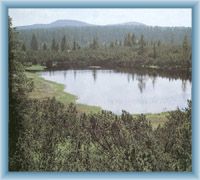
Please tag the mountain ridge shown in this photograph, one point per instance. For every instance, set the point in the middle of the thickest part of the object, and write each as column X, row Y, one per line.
column 74, row 23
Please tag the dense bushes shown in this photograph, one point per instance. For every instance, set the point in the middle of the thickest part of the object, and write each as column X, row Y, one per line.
column 58, row 138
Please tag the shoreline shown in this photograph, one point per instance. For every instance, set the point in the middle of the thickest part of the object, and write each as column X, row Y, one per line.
column 48, row 89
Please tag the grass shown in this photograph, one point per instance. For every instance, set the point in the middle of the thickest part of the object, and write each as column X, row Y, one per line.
column 46, row 89
column 157, row 119
column 35, row 68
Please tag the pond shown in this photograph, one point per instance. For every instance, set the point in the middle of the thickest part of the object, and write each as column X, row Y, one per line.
column 134, row 92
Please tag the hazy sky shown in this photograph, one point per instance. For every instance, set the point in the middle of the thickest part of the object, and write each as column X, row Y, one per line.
column 153, row 17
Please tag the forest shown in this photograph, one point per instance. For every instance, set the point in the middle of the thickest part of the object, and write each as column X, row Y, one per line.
column 130, row 46
column 48, row 135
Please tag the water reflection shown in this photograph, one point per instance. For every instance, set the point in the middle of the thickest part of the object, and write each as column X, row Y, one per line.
column 65, row 74
column 74, row 74
column 153, row 81
column 133, row 90
column 94, row 74
column 141, row 83
column 184, row 85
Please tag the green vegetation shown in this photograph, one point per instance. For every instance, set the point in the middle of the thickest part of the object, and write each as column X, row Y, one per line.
column 105, row 35
column 47, row 135
column 156, row 119
column 164, row 48
column 64, row 140
column 36, row 67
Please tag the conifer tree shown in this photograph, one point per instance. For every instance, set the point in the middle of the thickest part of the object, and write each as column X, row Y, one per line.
column 44, row 47
column 53, row 44
column 185, row 48
column 141, row 45
column 154, row 51
column 63, row 44
column 23, row 47
column 34, row 43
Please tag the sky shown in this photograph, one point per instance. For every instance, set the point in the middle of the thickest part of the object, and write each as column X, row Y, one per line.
column 149, row 16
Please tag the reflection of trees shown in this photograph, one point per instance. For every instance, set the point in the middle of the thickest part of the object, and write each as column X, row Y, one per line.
column 51, row 73
column 94, row 74
column 65, row 74
column 171, row 74
column 74, row 74
column 141, row 83
column 133, row 76
column 184, row 85
column 128, row 77
column 153, row 78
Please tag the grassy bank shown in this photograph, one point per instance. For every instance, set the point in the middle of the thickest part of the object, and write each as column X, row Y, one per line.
column 47, row 89
column 35, row 68
column 157, row 118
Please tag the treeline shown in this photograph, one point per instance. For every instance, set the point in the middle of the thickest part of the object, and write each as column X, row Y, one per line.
column 132, row 52
column 105, row 34
column 45, row 135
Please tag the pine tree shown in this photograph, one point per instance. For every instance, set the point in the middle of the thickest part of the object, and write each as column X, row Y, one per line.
column 185, row 49
column 34, row 43
column 74, row 45
column 23, row 47
column 44, row 47
column 63, row 44
column 154, row 51
column 57, row 47
column 130, row 40
column 53, row 44
column 94, row 44
column 133, row 39
column 141, row 45
column 112, row 44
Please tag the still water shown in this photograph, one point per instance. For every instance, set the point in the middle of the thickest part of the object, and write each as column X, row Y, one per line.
column 116, row 91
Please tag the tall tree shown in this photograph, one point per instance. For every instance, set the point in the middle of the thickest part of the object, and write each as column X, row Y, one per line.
column 34, row 43
column 63, row 44
column 95, row 43
column 74, row 45
column 53, row 45
column 154, row 51
column 130, row 40
column 44, row 47
column 133, row 39
column 23, row 47
column 185, row 48
column 141, row 45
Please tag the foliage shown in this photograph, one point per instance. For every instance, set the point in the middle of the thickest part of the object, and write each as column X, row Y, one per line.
column 133, row 53
column 87, row 46
column 19, row 86
column 58, row 138
column 106, row 34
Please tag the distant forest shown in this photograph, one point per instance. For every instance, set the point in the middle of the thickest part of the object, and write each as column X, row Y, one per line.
column 105, row 34
column 110, row 46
